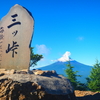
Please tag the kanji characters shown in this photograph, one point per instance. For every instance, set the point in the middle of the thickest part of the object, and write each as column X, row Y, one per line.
column 14, row 20
column 1, row 29
column 14, row 45
column 12, row 48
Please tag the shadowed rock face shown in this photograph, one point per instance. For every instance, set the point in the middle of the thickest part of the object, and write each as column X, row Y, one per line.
column 35, row 87
column 11, row 90
column 16, row 30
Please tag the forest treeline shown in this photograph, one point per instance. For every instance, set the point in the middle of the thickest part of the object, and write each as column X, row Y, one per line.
column 93, row 80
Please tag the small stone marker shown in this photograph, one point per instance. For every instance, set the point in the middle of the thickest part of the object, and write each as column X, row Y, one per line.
column 16, row 30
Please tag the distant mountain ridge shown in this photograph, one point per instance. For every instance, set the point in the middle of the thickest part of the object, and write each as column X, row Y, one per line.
column 60, row 66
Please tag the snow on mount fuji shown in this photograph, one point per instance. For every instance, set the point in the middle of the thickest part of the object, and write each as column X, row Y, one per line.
column 60, row 66
column 65, row 57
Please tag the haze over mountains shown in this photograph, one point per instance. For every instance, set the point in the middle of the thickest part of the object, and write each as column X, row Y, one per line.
column 60, row 65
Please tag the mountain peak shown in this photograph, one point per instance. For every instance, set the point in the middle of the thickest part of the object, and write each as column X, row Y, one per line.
column 65, row 57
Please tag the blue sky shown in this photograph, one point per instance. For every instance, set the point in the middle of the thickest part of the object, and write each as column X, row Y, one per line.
column 63, row 25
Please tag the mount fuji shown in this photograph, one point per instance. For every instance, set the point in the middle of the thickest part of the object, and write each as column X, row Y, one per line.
column 60, row 65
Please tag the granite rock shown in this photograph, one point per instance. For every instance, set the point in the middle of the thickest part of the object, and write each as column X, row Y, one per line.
column 35, row 87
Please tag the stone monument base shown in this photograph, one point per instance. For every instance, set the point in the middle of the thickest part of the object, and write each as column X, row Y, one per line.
column 20, row 85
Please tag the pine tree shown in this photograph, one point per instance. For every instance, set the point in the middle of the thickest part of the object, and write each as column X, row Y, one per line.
column 34, row 58
column 72, row 75
column 93, row 80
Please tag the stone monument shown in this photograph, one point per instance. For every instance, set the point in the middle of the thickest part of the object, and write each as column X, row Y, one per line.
column 16, row 30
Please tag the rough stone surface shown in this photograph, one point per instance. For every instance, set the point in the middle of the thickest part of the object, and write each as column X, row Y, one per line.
column 87, row 95
column 15, row 36
column 44, row 73
column 35, row 87
column 52, row 85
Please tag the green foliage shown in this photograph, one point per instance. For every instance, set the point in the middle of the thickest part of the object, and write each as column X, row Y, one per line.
column 81, row 86
column 72, row 76
column 93, row 81
column 34, row 58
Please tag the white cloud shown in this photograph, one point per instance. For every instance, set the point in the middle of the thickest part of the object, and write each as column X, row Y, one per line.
column 65, row 57
column 42, row 49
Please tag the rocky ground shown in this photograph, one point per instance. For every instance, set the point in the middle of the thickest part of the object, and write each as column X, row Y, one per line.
column 44, row 85
column 87, row 95
column 35, row 85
